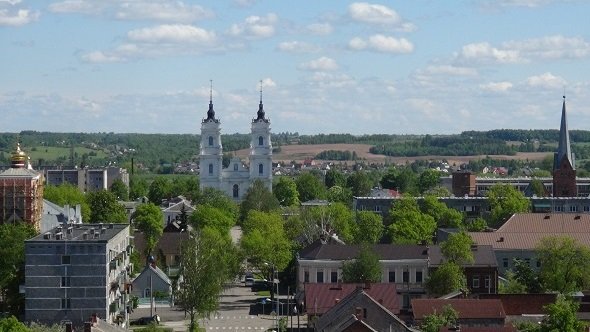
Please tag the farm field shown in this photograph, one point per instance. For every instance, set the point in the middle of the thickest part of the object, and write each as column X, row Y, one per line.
column 53, row 153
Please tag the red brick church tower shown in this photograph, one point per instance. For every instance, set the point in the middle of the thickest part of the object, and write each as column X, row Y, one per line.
column 564, row 163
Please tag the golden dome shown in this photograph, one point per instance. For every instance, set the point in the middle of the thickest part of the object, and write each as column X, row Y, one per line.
column 18, row 158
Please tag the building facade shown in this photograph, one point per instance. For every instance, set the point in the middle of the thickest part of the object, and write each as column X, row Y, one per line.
column 74, row 271
column 237, row 178
column 21, row 192
column 87, row 179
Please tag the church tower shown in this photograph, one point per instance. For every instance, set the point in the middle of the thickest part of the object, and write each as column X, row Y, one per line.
column 211, row 154
column 564, row 163
column 261, row 148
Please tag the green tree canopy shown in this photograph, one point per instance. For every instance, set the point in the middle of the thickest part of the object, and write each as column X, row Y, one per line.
column 447, row 278
column 359, row 183
column 443, row 215
column 160, row 188
column 67, row 194
column 105, row 208
column 208, row 216
column 561, row 317
column 457, row 248
column 368, row 227
column 120, row 190
column 334, row 178
column 310, row 187
column 434, row 322
column 148, row 218
column 11, row 324
column 505, row 201
column 218, row 199
column 258, row 198
column 185, row 185
column 565, row 264
column 285, row 190
column 335, row 218
column 428, row 179
column 409, row 224
column 138, row 187
column 340, row 194
column 403, row 180
column 366, row 268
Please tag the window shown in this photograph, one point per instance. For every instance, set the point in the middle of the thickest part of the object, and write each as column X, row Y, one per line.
column 487, row 282
column 260, row 169
column 391, row 276
column 65, row 259
column 320, row 277
column 333, row 277
column 505, row 262
column 65, row 304
column 418, row 276
column 210, row 140
column 573, row 208
column 538, row 263
column 406, row 276
column 559, row 209
column 210, row 168
column 377, row 208
column 586, row 208
column 475, row 282
column 260, row 140
column 65, row 281
column 236, row 167
column 527, row 261
column 236, row 191
column 306, row 276
column 147, row 292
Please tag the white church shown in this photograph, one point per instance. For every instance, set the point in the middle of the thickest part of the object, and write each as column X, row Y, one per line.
column 237, row 178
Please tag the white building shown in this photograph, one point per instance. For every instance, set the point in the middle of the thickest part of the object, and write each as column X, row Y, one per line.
column 237, row 178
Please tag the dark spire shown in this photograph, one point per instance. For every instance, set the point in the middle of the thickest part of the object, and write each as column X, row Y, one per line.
column 564, row 148
column 211, row 112
column 260, row 114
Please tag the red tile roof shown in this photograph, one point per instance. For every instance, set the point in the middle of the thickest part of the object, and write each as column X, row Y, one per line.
column 466, row 308
column 319, row 298
column 522, row 304
column 547, row 223
column 505, row 328
column 525, row 241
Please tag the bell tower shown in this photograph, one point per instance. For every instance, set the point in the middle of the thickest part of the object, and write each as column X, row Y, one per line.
column 564, row 163
column 211, row 152
column 261, row 148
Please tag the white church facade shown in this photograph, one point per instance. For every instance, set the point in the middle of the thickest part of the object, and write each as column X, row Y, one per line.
column 237, row 177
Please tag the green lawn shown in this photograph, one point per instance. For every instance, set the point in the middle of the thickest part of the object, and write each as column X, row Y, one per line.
column 53, row 153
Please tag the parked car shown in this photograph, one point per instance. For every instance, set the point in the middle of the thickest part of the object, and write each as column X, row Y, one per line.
column 248, row 281
column 146, row 320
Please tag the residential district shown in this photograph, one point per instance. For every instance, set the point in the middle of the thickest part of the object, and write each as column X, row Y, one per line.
column 324, row 250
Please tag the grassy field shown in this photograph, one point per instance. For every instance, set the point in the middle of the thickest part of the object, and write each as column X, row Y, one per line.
column 53, row 153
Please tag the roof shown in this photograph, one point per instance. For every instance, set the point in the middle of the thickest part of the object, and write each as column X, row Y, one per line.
column 20, row 172
column 317, row 251
column 157, row 272
column 522, row 304
column 483, row 255
column 505, row 328
column 563, row 148
column 75, row 232
column 521, row 241
column 169, row 242
column 466, row 308
column 319, row 298
column 177, row 207
column 547, row 223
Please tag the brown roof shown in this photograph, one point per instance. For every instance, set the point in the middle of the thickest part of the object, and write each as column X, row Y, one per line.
column 466, row 308
column 505, row 328
column 527, row 241
column 547, row 223
column 482, row 256
column 319, row 298
column 345, row 252
column 522, row 304
column 169, row 242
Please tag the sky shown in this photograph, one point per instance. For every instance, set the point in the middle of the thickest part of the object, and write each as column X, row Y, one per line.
column 389, row 67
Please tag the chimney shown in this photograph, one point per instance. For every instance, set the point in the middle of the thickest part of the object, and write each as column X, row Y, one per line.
column 69, row 327
column 501, row 239
column 358, row 312
column 87, row 327
column 336, row 300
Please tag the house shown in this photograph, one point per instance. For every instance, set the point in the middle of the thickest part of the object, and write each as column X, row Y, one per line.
column 176, row 210
column 481, row 275
column 72, row 273
column 55, row 215
column 470, row 312
column 167, row 250
column 523, row 307
column 359, row 311
column 520, row 235
column 151, row 281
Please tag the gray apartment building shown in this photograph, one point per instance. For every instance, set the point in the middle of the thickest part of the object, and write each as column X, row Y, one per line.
column 87, row 179
column 74, row 271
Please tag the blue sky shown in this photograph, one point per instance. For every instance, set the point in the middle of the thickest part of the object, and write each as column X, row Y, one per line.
column 395, row 67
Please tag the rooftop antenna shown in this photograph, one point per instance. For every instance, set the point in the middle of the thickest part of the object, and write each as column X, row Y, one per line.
column 261, row 91
column 210, row 91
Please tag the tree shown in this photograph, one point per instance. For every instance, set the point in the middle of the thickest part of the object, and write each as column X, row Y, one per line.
column 12, row 251
column 428, row 179
column 433, row 322
column 218, row 199
column 285, row 190
column 403, row 180
column 565, row 264
column 477, row 225
column 512, row 285
column 561, row 316
column 105, row 208
column 120, row 190
column 359, row 183
column 67, row 194
column 334, row 178
column 138, row 187
column 447, row 278
column 159, row 189
column 185, row 185
column 505, row 201
column 258, row 198
column 409, row 225
column 335, row 218
column 365, row 269
column 443, row 215
column 538, row 188
column 208, row 216
column 11, row 324
column 526, row 276
column 309, row 187
column 148, row 218
column 340, row 194
column 368, row 227
column 204, row 270
column 457, row 248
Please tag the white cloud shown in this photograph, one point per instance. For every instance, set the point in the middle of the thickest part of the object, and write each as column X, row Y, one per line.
column 546, row 80
column 297, row 47
column 484, row 52
column 100, row 57
column 381, row 43
column 373, row 13
column 268, row 83
column 320, row 64
column 17, row 18
column 496, row 86
column 522, row 3
column 451, row 70
column 78, row 6
column 320, row 28
column 551, row 47
column 255, row 27
column 176, row 33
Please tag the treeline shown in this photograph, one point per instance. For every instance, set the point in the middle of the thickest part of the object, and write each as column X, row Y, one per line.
column 350, row 139
column 336, row 155
column 524, row 135
column 456, row 145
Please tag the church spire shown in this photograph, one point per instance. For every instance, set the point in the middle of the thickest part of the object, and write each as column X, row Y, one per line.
column 260, row 114
column 564, row 147
column 211, row 112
